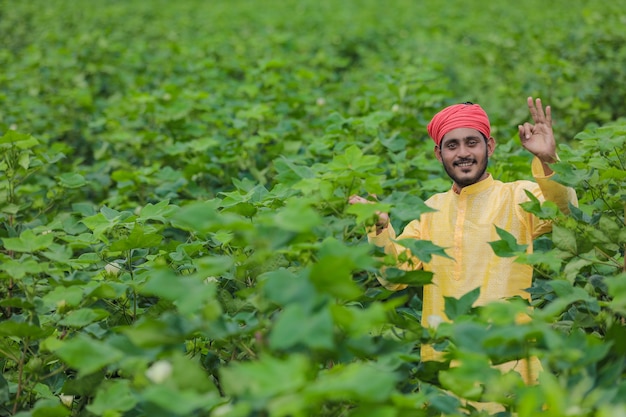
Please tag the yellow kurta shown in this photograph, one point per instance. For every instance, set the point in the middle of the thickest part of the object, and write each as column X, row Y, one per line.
column 464, row 223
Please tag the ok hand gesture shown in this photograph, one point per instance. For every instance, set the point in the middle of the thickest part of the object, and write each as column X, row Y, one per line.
column 539, row 138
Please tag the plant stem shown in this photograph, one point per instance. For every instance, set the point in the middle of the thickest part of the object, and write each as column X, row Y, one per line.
column 20, row 375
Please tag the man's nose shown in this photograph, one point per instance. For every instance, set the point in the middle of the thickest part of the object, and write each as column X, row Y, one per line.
column 464, row 150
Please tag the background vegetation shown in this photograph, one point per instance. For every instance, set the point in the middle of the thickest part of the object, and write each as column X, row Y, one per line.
column 175, row 239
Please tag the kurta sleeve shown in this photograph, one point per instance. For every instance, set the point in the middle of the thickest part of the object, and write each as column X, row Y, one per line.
column 551, row 191
column 385, row 239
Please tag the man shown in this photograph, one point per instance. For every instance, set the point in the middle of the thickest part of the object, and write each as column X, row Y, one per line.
column 466, row 216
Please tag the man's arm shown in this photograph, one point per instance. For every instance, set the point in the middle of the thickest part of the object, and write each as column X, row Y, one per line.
column 383, row 235
column 538, row 138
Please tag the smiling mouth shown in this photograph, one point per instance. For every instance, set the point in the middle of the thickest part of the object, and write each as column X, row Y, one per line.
column 464, row 164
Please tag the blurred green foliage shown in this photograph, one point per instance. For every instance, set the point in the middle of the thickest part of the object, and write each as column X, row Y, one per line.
column 175, row 235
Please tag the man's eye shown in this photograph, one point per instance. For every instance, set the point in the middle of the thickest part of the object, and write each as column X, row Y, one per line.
column 451, row 146
column 472, row 142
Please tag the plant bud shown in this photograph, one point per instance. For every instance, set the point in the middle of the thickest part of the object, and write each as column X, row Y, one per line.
column 112, row 268
column 159, row 371
column 67, row 400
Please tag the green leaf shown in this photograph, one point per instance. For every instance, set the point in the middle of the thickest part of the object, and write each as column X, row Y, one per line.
column 188, row 293
column 213, row 265
column 49, row 407
column 462, row 380
column 564, row 239
column 297, row 216
column 423, row 249
column 71, row 180
column 414, row 278
column 160, row 211
column 298, row 326
column 284, row 287
column 178, row 402
column 407, row 207
column 20, row 140
column 28, row 242
column 17, row 269
column 12, row 328
column 367, row 212
column 508, row 246
column 137, row 239
column 4, row 390
column 87, row 355
column 357, row 381
column 458, row 307
column 113, row 395
column 84, row 316
column 353, row 160
column 265, row 377
column 545, row 210
column 151, row 333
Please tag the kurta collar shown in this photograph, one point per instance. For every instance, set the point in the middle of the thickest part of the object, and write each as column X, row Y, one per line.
column 476, row 188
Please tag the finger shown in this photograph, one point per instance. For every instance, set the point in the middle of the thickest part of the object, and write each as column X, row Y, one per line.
column 549, row 115
column 531, row 108
column 540, row 113
column 355, row 199
column 525, row 131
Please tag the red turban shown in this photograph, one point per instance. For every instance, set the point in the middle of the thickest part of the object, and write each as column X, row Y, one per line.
column 468, row 115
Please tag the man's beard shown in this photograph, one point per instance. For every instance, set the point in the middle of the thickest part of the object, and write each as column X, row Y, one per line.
column 464, row 182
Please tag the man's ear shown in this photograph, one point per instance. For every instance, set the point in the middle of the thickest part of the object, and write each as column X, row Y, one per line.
column 438, row 153
column 491, row 146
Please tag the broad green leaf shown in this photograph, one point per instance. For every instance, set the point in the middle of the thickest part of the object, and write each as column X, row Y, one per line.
column 297, row 326
column 205, row 217
column 189, row 293
column 87, row 355
column 333, row 275
column 178, row 402
column 617, row 290
column 407, row 207
column 113, row 395
column 84, row 316
column 18, row 269
column 353, row 160
column 346, row 382
column 70, row 296
column 284, row 287
column 28, row 242
column 297, row 216
column 160, row 211
column 50, row 407
column 138, row 238
column 12, row 328
column 266, row 377
column 72, row 180
column 289, row 172
column 20, row 140
column 151, row 333
column 98, row 224
column 457, row 307
column 214, row 265
column 359, row 321
column 550, row 259
column 423, row 249
column 545, row 210
column 564, row 239
column 508, row 246
column 4, row 390
column 367, row 212
column 414, row 278
column 24, row 160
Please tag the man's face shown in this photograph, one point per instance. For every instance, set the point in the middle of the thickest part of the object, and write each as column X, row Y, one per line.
column 464, row 154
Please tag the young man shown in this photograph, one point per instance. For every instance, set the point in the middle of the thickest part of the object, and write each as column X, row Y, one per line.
column 466, row 216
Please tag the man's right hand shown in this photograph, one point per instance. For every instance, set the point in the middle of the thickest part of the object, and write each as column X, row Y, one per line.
column 383, row 218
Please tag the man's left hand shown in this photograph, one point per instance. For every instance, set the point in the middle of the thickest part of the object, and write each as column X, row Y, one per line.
column 539, row 138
